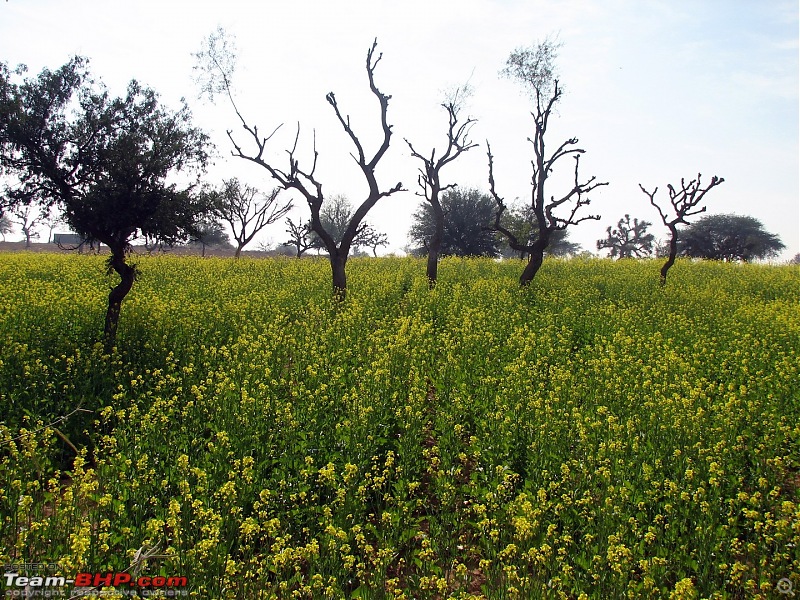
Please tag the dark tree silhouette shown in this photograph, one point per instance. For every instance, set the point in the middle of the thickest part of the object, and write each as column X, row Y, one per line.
column 105, row 161
column 216, row 62
column 684, row 203
column 628, row 240
column 534, row 68
column 521, row 221
column 728, row 238
column 373, row 239
column 210, row 233
column 246, row 210
column 300, row 236
column 468, row 214
column 430, row 174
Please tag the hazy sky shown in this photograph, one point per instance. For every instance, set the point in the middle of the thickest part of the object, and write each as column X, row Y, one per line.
column 655, row 90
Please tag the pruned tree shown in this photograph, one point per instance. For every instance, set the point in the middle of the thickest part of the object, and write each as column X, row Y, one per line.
column 466, row 232
column 104, row 161
column 521, row 221
column 628, row 240
column 246, row 210
column 729, row 238
column 300, row 236
column 429, row 178
column 534, row 68
column 684, row 202
column 373, row 239
column 216, row 62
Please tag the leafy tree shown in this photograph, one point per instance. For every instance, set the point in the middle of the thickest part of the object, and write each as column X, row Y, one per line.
column 729, row 238
column 795, row 259
column 216, row 62
column 6, row 226
column 246, row 210
column 534, row 68
column 468, row 214
column 210, row 233
column 684, row 203
column 628, row 240
column 106, row 162
column 430, row 174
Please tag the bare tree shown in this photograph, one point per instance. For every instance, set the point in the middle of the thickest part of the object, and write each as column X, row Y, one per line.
column 51, row 220
column 628, row 240
column 535, row 69
column 684, row 202
column 217, row 61
column 429, row 178
column 371, row 238
column 300, row 237
column 28, row 216
column 246, row 210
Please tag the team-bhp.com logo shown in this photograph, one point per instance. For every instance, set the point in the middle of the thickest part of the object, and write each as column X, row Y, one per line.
column 90, row 584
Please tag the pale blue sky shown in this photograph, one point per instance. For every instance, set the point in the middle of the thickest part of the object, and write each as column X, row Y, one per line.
column 656, row 90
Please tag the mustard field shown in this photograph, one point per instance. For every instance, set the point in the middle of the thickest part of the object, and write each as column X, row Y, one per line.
column 593, row 436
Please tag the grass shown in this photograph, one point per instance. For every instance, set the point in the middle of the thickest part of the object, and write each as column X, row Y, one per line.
column 593, row 436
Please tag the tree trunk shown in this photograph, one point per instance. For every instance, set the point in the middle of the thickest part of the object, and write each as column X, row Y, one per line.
column 435, row 245
column 238, row 252
column 127, row 274
column 339, row 276
column 535, row 261
column 673, row 252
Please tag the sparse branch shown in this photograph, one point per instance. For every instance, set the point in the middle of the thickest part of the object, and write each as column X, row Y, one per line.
column 534, row 68
column 512, row 239
column 685, row 203
column 303, row 180
column 429, row 178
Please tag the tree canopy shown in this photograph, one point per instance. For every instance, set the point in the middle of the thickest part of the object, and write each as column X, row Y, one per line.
column 109, row 163
column 467, row 216
column 729, row 237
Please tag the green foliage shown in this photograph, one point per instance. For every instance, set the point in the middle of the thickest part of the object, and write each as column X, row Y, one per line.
column 588, row 436
column 729, row 238
column 628, row 240
column 210, row 233
column 105, row 161
column 467, row 216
